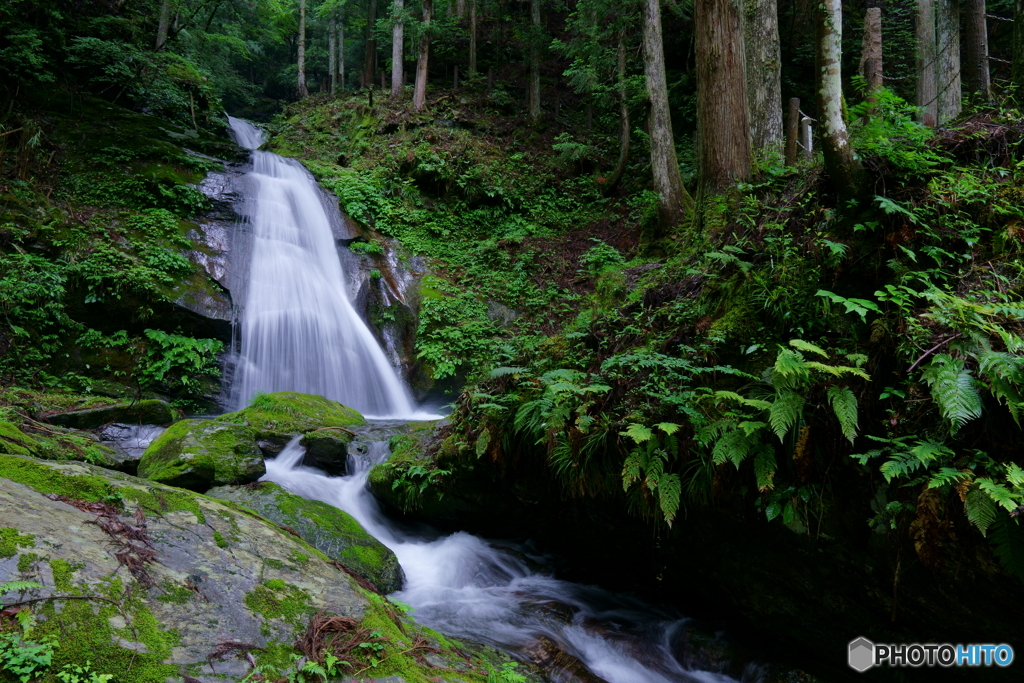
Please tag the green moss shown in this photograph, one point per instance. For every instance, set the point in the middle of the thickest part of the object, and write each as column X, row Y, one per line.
column 292, row 412
column 299, row 558
column 176, row 593
column 12, row 440
column 26, row 561
column 219, row 539
column 63, row 572
column 11, row 540
column 191, row 452
column 276, row 599
column 274, row 563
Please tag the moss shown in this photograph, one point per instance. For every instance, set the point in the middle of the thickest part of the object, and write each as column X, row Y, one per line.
column 26, row 561
column 176, row 593
column 11, row 540
column 63, row 572
column 294, row 413
column 276, row 599
column 192, row 453
column 12, row 440
column 274, row 563
column 299, row 558
column 219, row 539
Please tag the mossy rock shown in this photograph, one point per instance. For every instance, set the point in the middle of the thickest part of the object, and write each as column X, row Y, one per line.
column 60, row 446
column 153, row 411
column 199, row 454
column 292, row 413
column 327, row 450
column 330, row 530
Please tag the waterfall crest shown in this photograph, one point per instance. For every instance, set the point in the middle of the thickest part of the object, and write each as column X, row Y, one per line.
column 298, row 330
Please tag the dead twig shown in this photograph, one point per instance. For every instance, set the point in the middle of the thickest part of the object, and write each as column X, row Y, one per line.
column 931, row 351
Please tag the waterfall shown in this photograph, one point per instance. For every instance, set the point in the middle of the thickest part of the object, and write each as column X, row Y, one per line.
column 466, row 587
column 298, row 330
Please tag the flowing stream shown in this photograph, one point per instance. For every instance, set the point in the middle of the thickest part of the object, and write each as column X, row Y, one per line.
column 300, row 333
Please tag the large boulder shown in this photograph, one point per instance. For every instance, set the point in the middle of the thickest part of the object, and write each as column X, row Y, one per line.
column 327, row 449
column 165, row 583
column 200, row 454
column 330, row 530
column 151, row 411
column 60, row 444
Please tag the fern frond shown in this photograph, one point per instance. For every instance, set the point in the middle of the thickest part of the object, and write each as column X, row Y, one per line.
column 802, row 345
column 790, row 369
column 928, row 452
column 732, row 447
column 785, row 411
column 1015, row 475
column 980, row 509
column 750, row 402
column 838, row 370
column 764, row 468
column 17, row 586
column 1008, row 544
column 948, row 475
column 669, row 428
column 669, row 490
column 844, row 405
column 638, row 433
column 954, row 389
column 999, row 494
column 631, row 468
column 501, row 372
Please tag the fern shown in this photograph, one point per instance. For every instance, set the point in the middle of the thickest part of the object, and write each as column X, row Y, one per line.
column 790, row 370
column 631, row 468
column 954, row 389
column 669, row 490
column 17, row 586
column 844, row 405
column 807, row 346
column 948, row 475
column 1008, row 544
column 732, row 447
column 785, row 411
column 501, row 372
column 999, row 494
column 980, row 509
column 764, row 469
column 638, row 433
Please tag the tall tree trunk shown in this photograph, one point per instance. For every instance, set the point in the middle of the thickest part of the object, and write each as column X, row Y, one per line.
column 843, row 169
column 1017, row 71
column 927, row 64
column 764, row 76
column 792, row 130
column 398, row 50
column 460, row 9
column 947, row 31
column 303, row 91
column 664, row 165
column 341, row 52
column 332, row 54
column 871, row 54
column 976, row 73
column 370, row 61
column 535, row 62
column 620, row 168
column 419, row 97
column 161, row 28
column 723, row 122
column 472, row 38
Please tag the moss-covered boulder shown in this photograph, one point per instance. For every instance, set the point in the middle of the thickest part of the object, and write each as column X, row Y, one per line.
column 151, row 411
column 60, row 445
column 327, row 450
column 188, row 587
column 330, row 530
column 200, row 454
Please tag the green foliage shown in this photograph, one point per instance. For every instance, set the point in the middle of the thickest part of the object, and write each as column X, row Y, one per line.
column 19, row 654
column 506, row 674
column 600, row 257
column 179, row 360
column 954, row 390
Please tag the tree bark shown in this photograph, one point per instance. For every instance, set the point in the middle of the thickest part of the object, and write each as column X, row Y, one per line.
column 460, row 9
column 927, row 64
column 792, row 130
column 341, row 53
column 303, row 91
column 764, row 76
column 843, row 169
column 723, row 122
column 1017, row 68
column 332, row 54
column 472, row 38
column 947, row 31
column 419, row 97
column 664, row 165
column 871, row 55
column 370, row 60
column 620, row 168
column 976, row 72
column 162, row 26
column 398, row 50
column 535, row 62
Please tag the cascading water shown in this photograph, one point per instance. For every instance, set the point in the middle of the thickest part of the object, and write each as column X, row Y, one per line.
column 300, row 333
column 465, row 587
column 298, row 329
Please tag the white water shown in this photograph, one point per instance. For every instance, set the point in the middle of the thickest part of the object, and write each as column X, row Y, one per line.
column 298, row 329
column 465, row 587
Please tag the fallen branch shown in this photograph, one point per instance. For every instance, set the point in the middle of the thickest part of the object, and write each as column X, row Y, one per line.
column 340, row 429
column 931, row 351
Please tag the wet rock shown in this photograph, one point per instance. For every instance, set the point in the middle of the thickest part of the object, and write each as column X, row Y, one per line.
column 129, row 442
column 59, row 444
column 557, row 664
column 138, row 412
column 327, row 450
column 199, row 454
column 330, row 530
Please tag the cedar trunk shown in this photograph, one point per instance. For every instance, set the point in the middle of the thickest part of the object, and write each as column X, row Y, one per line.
column 723, row 122
column 472, row 38
column 419, row 97
column 871, row 54
column 843, row 169
column 162, row 26
column 303, row 91
column 623, row 121
column 341, row 52
column 535, row 62
column 398, row 51
column 664, row 165
column 370, row 60
column 1017, row 71
column 764, row 77
column 332, row 55
column 947, row 31
column 927, row 64
column 976, row 73
column 792, row 130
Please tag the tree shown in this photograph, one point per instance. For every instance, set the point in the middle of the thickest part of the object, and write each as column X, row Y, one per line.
column 927, row 64
column 975, row 69
column 764, row 76
column 723, row 122
column 620, row 168
column 472, row 38
column 843, row 169
column 398, row 49
column 370, row 61
column 534, row 92
column 947, row 31
column 871, row 54
column 1017, row 72
column 664, row 166
column 332, row 55
column 303, row 91
column 419, row 97
column 163, row 24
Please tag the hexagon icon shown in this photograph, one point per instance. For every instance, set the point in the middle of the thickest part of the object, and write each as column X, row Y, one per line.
column 862, row 654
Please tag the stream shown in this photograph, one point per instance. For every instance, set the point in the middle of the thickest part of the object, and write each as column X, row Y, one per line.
column 300, row 333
